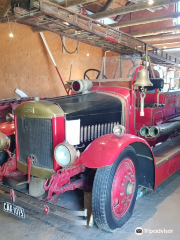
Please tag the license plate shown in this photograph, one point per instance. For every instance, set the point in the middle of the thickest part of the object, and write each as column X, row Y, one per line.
column 13, row 209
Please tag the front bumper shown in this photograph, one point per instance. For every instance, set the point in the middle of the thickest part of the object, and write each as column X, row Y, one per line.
column 38, row 205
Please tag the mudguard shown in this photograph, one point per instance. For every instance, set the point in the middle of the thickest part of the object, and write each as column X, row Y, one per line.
column 7, row 128
column 104, row 150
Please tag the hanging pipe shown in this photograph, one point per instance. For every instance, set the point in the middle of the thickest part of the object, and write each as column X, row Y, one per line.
column 51, row 56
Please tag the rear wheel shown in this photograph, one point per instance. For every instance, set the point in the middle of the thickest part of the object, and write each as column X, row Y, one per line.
column 114, row 191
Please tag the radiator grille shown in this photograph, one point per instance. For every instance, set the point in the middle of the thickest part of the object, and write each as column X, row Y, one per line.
column 35, row 138
column 94, row 131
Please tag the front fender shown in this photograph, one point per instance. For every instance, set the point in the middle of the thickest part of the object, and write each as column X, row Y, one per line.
column 7, row 128
column 104, row 150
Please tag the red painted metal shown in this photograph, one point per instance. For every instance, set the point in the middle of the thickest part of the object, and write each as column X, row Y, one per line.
column 61, row 79
column 123, row 188
column 132, row 103
column 111, row 39
column 46, row 209
column 166, row 169
column 16, row 138
column 7, row 128
column 9, row 169
column 12, row 195
column 72, row 185
column 58, row 129
column 29, row 161
column 104, row 150
column 61, row 178
column 152, row 116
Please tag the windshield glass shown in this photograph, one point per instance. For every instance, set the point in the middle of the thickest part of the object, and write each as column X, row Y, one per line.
column 114, row 66
column 111, row 67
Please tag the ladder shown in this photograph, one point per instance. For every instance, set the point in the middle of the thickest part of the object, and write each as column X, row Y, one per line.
column 65, row 22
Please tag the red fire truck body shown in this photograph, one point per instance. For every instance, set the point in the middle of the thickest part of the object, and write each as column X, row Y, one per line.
column 111, row 151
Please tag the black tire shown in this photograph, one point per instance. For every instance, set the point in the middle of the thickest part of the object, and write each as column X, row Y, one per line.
column 13, row 181
column 102, row 189
column 3, row 157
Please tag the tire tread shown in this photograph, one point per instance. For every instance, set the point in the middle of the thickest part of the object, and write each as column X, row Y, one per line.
column 99, row 193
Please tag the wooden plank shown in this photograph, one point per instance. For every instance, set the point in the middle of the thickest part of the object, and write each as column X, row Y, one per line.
column 131, row 8
column 70, row 3
column 107, row 80
column 136, row 22
column 175, row 29
column 160, row 37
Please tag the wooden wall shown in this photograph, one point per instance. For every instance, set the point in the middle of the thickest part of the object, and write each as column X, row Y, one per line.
column 25, row 64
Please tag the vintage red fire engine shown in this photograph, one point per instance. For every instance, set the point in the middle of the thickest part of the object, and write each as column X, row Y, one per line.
column 107, row 138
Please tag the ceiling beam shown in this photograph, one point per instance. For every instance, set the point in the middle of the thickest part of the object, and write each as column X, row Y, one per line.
column 119, row 17
column 160, row 38
column 168, row 16
column 70, row 3
column 6, row 8
column 175, row 29
column 108, row 4
column 131, row 8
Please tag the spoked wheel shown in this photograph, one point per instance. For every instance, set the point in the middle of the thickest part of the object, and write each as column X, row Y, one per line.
column 114, row 191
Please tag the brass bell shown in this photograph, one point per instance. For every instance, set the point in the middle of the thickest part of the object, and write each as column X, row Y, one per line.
column 142, row 79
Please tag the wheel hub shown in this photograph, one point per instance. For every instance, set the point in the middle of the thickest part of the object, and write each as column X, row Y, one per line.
column 129, row 189
column 123, row 188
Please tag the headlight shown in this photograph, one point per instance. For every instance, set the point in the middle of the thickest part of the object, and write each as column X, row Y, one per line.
column 65, row 154
column 9, row 117
column 81, row 86
column 119, row 130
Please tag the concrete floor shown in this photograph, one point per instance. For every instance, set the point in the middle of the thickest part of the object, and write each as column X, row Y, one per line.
column 154, row 211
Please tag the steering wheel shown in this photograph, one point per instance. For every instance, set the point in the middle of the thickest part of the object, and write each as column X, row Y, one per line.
column 95, row 70
column 131, row 73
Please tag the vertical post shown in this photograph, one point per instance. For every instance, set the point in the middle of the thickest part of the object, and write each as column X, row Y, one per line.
column 146, row 55
column 63, row 44
column 121, row 66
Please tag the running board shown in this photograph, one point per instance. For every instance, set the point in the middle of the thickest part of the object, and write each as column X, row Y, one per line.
column 166, row 151
column 32, row 203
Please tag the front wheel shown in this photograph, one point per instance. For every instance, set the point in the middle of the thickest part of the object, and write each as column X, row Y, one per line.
column 114, row 191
